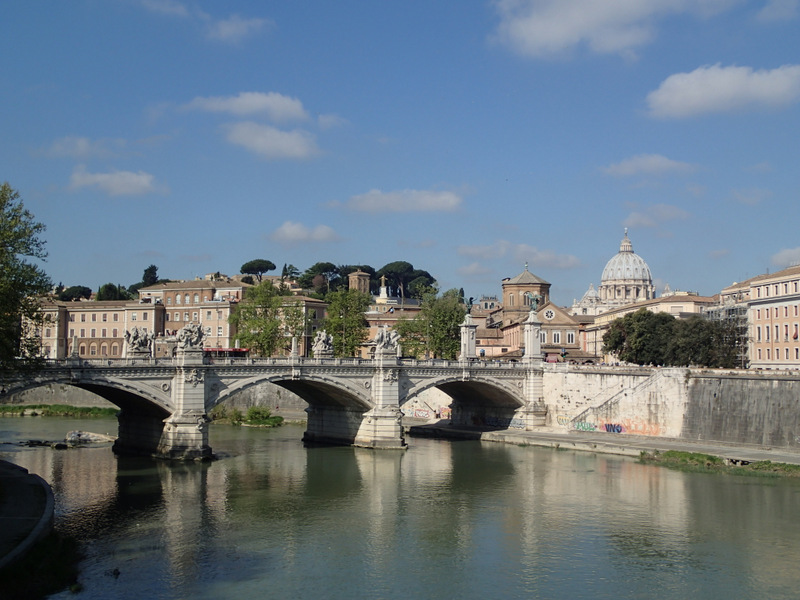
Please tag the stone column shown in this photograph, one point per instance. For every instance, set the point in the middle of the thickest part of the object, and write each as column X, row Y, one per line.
column 534, row 413
column 185, row 435
column 468, row 329
column 382, row 427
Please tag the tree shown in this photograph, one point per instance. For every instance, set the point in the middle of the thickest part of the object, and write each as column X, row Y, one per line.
column 22, row 283
column 75, row 292
column 109, row 291
column 289, row 272
column 406, row 281
column 436, row 330
column 257, row 267
column 265, row 320
column 704, row 342
column 346, row 322
column 645, row 338
column 322, row 277
column 150, row 276
column 640, row 337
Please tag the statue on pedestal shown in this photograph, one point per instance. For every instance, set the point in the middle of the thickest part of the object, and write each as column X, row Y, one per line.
column 323, row 345
column 190, row 337
column 138, row 341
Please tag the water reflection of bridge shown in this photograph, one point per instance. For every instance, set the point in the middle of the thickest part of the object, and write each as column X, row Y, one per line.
column 165, row 402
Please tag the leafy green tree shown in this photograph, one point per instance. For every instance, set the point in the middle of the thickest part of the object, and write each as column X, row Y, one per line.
column 289, row 272
column 346, row 322
column 435, row 332
column 22, row 283
column 646, row 338
column 75, row 292
column 322, row 277
column 109, row 291
column 405, row 281
column 704, row 342
column 257, row 267
column 265, row 320
column 640, row 337
column 150, row 276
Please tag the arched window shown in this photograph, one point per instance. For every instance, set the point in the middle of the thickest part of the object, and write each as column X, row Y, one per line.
column 114, row 350
column 196, row 298
column 186, row 299
column 103, row 349
column 177, row 298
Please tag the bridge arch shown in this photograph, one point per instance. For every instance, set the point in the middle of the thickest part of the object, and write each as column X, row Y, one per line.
column 316, row 390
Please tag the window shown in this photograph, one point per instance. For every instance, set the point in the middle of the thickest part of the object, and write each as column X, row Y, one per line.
column 758, row 334
column 208, row 315
column 103, row 333
column 133, row 316
column 177, row 298
column 47, row 332
column 93, row 350
column 556, row 337
column 208, row 330
column 787, row 354
column 82, row 350
column 196, row 298
column 83, row 318
column 72, row 318
column 116, row 317
column 186, row 316
column 543, row 337
column 759, row 354
column 169, row 301
column 94, row 317
column 166, row 316
column 114, row 333
column 766, row 331
column 144, row 316
column 92, row 332
column 177, row 317
column 195, row 316
column 219, row 332
column 103, row 349
column 186, row 299
column 758, row 313
column 114, row 349
column 83, row 333
column 769, row 354
column 570, row 337
column 72, row 333
column 105, row 317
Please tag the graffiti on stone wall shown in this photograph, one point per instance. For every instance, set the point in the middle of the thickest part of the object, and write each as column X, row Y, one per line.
column 629, row 426
column 499, row 422
column 584, row 426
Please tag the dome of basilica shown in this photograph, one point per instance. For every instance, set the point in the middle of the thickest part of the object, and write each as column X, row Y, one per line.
column 627, row 266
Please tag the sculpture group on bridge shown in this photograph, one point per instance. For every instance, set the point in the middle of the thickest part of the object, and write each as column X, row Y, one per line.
column 190, row 337
column 386, row 341
column 138, row 341
column 323, row 344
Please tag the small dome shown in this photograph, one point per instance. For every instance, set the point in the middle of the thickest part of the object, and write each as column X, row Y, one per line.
column 626, row 265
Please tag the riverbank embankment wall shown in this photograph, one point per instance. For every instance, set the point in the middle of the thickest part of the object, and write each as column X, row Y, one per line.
column 729, row 406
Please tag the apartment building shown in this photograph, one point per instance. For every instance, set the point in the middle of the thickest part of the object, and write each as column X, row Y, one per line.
column 774, row 320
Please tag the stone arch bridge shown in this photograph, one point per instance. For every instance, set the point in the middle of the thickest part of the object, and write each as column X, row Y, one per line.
column 165, row 402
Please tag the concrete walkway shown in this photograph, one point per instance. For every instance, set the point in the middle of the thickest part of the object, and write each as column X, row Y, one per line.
column 610, row 443
column 26, row 511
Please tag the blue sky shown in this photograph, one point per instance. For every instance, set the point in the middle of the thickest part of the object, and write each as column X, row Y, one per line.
column 467, row 137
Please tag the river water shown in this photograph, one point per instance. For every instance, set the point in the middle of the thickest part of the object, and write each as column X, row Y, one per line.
column 274, row 519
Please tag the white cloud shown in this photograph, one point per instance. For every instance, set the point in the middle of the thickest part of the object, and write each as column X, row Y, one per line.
column 779, row 10
column 787, row 257
column 82, row 148
column 275, row 106
column 115, row 183
column 271, row 143
column 296, row 233
column 714, row 89
column 752, row 196
column 376, row 201
column 655, row 215
column 235, row 28
column 521, row 253
column 647, row 164
column 539, row 28
column 331, row 121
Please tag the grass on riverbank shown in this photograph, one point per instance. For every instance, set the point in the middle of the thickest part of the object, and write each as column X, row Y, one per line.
column 56, row 410
column 256, row 416
column 693, row 462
